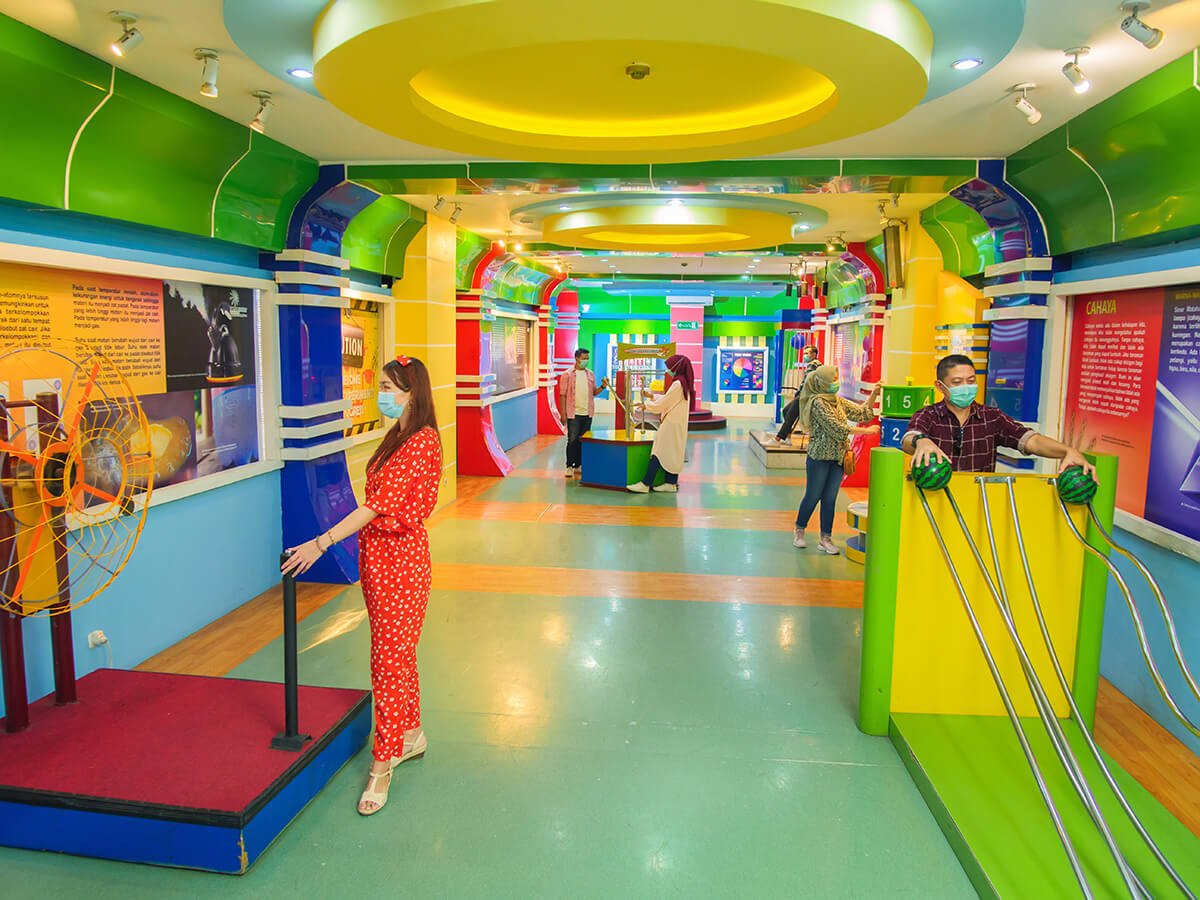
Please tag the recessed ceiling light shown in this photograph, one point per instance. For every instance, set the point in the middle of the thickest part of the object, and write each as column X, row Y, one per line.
column 802, row 226
column 300, row 73
column 564, row 207
column 674, row 201
column 757, row 259
column 967, row 63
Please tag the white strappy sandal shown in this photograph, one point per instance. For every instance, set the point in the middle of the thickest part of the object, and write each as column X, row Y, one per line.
column 416, row 751
column 379, row 798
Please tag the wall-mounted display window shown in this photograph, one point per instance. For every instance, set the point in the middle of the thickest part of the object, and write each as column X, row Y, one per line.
column 361, row 364
column 509, row 344
column 188, row 351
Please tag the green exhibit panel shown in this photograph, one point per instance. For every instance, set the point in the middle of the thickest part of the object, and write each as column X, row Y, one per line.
column 903, row 401
column 613, row 459
column 976, row 782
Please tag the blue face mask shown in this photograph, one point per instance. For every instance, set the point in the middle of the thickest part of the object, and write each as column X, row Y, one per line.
column 961, row 395
column 389, row 405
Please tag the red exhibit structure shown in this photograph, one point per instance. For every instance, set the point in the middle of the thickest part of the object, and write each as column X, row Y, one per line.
column 549, row 418
column 479, row 450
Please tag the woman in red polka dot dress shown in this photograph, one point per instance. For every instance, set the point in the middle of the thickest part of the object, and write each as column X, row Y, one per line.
column 394, row 566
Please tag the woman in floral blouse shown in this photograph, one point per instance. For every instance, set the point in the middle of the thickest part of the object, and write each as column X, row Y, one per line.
column 826, row 418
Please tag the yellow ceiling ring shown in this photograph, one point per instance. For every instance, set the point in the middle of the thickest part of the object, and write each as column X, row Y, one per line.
column 497, row 78
column 667, row 228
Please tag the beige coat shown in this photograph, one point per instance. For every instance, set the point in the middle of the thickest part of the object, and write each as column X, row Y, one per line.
column 670, row 440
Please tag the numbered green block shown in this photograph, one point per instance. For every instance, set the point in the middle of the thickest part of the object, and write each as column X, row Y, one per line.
column 902, row 401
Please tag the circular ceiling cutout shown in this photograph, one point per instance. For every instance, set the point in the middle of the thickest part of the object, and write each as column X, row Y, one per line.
column 685, row 223
column 497, row 78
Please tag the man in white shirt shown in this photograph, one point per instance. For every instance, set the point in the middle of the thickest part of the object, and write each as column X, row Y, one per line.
column 577, row 392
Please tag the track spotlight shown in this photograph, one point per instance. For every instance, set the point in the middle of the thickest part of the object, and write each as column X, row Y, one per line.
column 1032, row 114
column 259, row 122
column 836, row 244
column 454, row 215
column 208, row 77
column 130, row 36
column 1075, row 74
column 438, row 204
column 1137, row 29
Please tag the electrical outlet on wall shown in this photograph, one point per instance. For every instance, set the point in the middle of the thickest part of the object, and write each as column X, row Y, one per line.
column 97, row 638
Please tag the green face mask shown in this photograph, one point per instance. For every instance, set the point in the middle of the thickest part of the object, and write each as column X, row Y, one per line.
column 833, row 388
column 961, row 395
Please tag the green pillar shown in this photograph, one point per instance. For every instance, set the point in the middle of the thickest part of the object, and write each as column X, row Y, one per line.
column 1092, row 592
column 886, row 490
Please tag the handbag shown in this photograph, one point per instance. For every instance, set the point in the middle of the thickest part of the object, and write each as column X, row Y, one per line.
column 849, row 461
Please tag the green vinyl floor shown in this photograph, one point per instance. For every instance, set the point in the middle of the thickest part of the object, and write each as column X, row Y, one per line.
column 597, row 746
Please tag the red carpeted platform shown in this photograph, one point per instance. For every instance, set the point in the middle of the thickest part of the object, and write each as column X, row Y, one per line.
column 174, row 749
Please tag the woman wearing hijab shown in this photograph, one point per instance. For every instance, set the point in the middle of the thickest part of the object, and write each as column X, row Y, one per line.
column 826, row 418
column 671, row 438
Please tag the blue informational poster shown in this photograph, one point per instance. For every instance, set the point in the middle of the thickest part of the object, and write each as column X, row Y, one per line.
column 742, row 370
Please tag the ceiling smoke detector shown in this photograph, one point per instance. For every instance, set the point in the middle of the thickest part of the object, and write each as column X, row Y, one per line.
column 637, row 71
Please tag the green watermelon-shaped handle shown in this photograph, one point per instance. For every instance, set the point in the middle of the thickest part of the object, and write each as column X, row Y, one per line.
column 933, row 475
column 1076, row 485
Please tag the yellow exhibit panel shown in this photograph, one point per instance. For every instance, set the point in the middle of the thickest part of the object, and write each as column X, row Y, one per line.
column 938, row 665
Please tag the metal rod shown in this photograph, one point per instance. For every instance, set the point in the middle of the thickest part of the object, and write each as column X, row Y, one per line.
column 291, row 738
column 1169, row 620
column 1138, row 625
column 1058, row 738
column 1076, row 714
column 62, row 644
column 12, row 646
column 1030, row 759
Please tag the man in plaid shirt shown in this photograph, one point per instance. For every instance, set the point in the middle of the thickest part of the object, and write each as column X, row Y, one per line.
column 967, row 434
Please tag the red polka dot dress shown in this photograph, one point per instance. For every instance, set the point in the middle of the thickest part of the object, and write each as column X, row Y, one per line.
column 394, row 567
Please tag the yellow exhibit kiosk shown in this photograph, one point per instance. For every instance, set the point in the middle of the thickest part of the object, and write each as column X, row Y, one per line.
column 967, row 590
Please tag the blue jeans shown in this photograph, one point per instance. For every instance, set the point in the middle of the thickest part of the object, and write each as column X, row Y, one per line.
column 824, row 482
column 652, row 471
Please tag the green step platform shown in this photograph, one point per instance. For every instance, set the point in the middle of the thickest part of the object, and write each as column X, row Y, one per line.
column 973, row 776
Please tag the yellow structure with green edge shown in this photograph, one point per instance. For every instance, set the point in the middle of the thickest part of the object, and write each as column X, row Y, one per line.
column 925, row 684
column 488, row 96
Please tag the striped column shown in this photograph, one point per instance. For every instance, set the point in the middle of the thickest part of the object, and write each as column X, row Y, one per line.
column 479, row 450
column 313, row 413
column 687, row 333
column 549, row 418
column 566, row 333
column 424, row 305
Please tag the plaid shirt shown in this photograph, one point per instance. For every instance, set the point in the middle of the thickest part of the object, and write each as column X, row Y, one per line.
column 972, row 445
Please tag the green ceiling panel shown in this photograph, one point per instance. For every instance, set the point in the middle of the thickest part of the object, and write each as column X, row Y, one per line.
column 1124, row 169
column 1145, row 149
column 377, row 238
column 256, row 200
column 49, row 90
column 144, row 155
column 469, row 248
column 966, row 242
column 153, row 158
column 846, row 285
column 1072, row 201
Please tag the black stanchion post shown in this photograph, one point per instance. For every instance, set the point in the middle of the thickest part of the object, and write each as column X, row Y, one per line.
column 290, row 738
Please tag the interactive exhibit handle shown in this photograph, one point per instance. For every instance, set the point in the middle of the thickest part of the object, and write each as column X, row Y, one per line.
column 290, row 738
